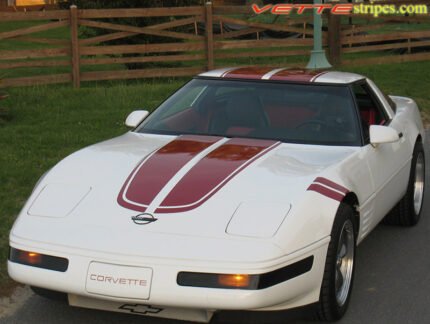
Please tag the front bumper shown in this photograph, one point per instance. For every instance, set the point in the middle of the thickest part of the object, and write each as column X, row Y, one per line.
column 164, row 290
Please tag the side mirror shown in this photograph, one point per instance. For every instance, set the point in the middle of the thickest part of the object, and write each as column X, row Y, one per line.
column 136, row 117
column 383, row 134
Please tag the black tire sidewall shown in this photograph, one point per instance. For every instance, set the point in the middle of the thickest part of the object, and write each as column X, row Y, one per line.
column 329, row 310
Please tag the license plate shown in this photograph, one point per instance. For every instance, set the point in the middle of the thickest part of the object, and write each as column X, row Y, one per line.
column 119, row 281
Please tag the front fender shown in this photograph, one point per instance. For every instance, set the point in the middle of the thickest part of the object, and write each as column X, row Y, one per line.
column 309, row 221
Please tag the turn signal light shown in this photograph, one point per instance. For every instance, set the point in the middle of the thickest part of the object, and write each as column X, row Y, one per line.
column 245, row 281
column 30, row 257
column 234, row 280
column 38, row 260
column 214, row 280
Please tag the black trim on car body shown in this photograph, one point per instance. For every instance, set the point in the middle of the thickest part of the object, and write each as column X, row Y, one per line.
column 43, row 261
column 256, row 281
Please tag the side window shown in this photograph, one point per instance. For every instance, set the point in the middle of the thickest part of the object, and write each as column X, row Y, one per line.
column 369, row 108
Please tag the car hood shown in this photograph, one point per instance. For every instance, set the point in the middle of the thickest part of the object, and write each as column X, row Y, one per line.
column 191, row 186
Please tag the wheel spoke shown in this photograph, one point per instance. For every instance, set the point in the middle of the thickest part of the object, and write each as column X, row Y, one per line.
column 342, row 253
column 341, row 244
column 344, row 263
column 418, row 192
column 339, row 279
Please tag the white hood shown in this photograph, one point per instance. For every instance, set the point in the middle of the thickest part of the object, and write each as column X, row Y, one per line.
column 93, row 179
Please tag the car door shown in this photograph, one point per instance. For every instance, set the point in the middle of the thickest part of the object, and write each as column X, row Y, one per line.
column 388, row 163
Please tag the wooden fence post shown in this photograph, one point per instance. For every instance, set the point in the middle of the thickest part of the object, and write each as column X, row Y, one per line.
column 74, row 38
column 209, row 36
column 334, row 39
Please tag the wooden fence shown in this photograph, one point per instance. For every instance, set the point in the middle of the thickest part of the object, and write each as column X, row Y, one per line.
column 199, row 42
column 200, row 45
column 392, row 39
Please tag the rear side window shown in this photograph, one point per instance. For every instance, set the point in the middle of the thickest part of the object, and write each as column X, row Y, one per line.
column 370, row 109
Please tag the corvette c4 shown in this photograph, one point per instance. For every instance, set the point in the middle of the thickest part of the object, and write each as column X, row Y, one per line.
column 247, row 189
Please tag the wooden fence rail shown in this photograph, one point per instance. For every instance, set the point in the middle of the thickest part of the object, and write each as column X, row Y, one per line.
column 198, row 41
column 188, row 44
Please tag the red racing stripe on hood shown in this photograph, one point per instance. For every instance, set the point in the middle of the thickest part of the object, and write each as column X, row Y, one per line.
column 212, row 172
column 155, row 171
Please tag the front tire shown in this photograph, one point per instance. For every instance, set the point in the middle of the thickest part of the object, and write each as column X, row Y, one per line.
column 339, row 268
column 408, row 211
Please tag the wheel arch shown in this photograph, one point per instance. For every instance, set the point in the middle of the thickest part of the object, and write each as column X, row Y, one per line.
column 419, row 139
column 351, row 199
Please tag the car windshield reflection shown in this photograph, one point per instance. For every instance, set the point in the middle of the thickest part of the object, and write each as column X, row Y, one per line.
column 292, row 113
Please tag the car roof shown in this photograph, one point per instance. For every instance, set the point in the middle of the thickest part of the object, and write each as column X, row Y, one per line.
column 284, row 74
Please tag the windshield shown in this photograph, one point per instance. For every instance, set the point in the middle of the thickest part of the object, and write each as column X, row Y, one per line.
column 293, row 113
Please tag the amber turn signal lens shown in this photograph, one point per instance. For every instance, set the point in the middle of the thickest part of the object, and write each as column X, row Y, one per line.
column 234, row 280
column 38, row 260
column 245, row 281
column 31, row 257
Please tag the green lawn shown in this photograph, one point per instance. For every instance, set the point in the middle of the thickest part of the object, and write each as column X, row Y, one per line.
column 62, row 33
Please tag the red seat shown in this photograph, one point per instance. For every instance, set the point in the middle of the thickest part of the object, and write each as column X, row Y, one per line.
column 368, row 116
column 288, row 117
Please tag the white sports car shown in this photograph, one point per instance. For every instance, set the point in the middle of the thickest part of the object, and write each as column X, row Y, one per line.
column 248, row 189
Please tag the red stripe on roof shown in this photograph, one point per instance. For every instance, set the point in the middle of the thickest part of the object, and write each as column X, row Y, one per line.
column 326, row 192
column 296, row 75
column 332, row 184
column 152, row 174
column 252, row 73
column 211, row 173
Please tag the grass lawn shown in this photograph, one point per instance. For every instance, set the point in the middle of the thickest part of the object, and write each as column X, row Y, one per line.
column 62, row 33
